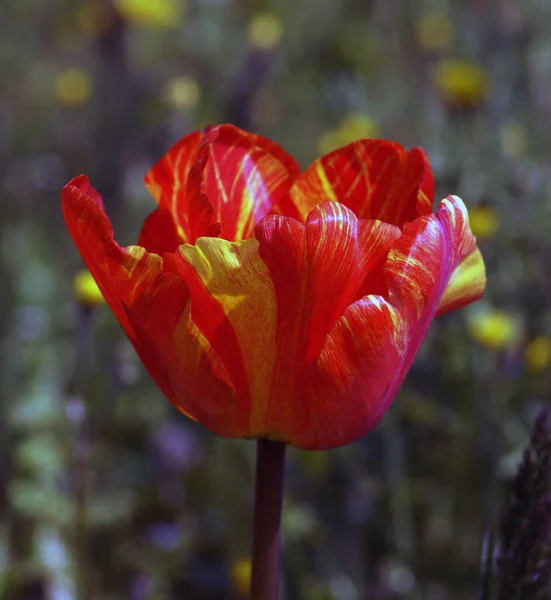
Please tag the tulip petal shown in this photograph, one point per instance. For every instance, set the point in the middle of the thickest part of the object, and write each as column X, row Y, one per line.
column 426, row 267
column 233, row 305
column 159, row 233
column 149, row 303
column 349, row 388
column 468, row 278
column 466, row 285
column 376, row 179
column 245, row 177
column 318, row 270
column 422, row 263
column 169, row 181
column 199, row 382
column 369, row 351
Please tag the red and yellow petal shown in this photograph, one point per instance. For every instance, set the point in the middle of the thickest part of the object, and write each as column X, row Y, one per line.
column 148, row 302
column 234, row 306
column 244, row 177
column 200, row 385
column 426, row 267
column 169, row 182
column 318, row 270
column 468, row 278
column 376, row 179
column 421, row 265
column 369, row 351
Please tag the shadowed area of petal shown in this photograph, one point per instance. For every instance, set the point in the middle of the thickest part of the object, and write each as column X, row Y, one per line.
column 245, row 177
column 159, row 233
column 376, row 179
column 200, row 384
column 131, row 279
column 318, row 270
column 168, row 182
column 233, row 305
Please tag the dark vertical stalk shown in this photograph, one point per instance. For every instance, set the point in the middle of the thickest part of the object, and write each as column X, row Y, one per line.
column 268, row 504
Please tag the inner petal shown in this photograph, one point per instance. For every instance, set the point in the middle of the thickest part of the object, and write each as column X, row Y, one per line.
column 245, row 177
column 376, row 179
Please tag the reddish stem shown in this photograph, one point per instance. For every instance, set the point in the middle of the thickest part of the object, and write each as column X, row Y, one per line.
column 268, row 504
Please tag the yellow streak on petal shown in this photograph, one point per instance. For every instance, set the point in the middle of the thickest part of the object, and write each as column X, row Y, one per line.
column 399, row 328
column 410, row 277
column 327, row 188
column 423, row 199
column 466, row 284
column 136, row 255
column 235, row 275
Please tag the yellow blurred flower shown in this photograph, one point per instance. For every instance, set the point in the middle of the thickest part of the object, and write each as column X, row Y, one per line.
column 460, row 82
column 86, row 290
column 355, row 126
column 182, row 92
column 434, row 31
column 329, row 140
column 492, row 328
column 265, row 31
column 538, row 354
column 73, row 87
column 241, row 576
column 484, row 222
column 154, row 14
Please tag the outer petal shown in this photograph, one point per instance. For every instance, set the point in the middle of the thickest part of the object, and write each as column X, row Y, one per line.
column 421, row 265
column 318, row 270
column 371, row 347
column 168, row 182
column 245, row 177
column 151, row 305
column 377, row 179
column 233, row 304
column 351, row 385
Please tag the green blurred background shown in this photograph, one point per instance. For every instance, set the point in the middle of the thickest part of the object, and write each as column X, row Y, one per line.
column 106, row 492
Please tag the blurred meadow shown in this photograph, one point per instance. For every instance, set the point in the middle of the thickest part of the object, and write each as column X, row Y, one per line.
column 106, row 491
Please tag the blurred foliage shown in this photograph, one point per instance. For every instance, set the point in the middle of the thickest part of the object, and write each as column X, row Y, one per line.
column 106, row 491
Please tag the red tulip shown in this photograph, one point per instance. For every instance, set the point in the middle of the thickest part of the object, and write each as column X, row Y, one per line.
column 269, row 303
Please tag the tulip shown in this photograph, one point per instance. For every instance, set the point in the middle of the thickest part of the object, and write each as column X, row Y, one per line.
column 269, row 303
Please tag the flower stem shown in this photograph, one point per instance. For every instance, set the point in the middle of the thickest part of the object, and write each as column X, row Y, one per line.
column 268, row 504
